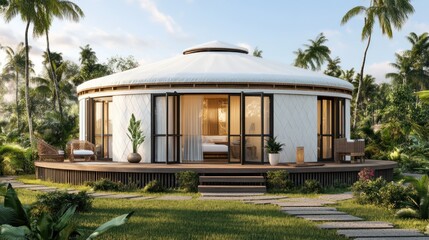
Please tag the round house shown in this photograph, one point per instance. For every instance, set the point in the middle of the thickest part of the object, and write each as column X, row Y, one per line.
column 215, row 103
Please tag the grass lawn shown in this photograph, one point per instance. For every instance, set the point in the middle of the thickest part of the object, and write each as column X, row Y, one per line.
column 194, row 219
column 375, row 213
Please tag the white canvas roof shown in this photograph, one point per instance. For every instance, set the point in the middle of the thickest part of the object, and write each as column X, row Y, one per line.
column 216, row 62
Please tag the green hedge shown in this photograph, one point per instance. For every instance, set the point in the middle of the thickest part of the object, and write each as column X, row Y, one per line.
column 16, row 160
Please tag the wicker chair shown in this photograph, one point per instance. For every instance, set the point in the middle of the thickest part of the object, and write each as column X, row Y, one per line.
column 81, row 149
column 48, row 152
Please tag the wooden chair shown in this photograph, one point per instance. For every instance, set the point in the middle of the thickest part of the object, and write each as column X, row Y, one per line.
column 81, row 149
column 354, row 149
column 48, row 152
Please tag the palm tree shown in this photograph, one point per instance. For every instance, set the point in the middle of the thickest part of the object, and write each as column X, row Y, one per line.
column 16, row 65
column 390, row 14
column 334, row 69
column 315, row 54
column 31, row 12
column 60, row 9
column 257, row 52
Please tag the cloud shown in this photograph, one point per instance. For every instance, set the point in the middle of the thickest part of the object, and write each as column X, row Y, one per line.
column 166, row 20
column 379, row 71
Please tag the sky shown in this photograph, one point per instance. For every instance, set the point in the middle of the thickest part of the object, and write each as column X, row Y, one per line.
column 152, row 30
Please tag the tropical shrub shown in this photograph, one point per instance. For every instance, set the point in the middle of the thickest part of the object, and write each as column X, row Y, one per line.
column 368, row 192
column 153, row 186
column 54, row 201
column 273, row 146
column 407, row 213
column 394, row 195
column 278, row 181
column 311, row 186
column 16, row 160
column 108, row 185
column 16, row 223
column 188, row 181
column 420, row 200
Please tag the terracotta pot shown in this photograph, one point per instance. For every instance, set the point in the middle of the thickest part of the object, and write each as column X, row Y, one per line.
column 274, row 158
column 134, row 158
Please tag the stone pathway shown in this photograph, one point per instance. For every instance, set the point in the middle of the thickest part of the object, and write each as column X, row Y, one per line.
column 312, row 209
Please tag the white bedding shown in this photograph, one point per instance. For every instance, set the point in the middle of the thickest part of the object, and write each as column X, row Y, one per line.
column 212, row 147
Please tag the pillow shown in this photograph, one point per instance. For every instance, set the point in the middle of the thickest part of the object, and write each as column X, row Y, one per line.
column 83, row 152
column 60, row 152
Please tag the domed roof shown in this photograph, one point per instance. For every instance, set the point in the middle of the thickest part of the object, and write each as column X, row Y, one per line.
column 213, row 63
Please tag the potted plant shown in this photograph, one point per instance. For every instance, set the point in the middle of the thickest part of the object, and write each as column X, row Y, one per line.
column 135, row 134
column 274, row 148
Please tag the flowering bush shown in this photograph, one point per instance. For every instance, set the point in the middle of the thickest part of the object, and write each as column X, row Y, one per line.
column 366, row 174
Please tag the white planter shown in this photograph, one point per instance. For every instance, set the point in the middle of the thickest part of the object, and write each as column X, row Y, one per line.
column 274, row 158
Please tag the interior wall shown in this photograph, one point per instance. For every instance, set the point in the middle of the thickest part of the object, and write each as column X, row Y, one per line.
column 295, row 124
column 123, row 106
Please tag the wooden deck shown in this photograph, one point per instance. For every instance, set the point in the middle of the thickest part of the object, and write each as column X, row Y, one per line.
column 141, row 173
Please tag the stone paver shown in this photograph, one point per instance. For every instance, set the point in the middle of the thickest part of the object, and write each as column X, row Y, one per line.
column 174, row 197
column 308, row 209
column 355, row 225
column 337, row 218
column 122, row 196
column 295, row 213
column 142, row 198
column 27, row 186
column 42, row 188
column 337, row 197
column 263, row 202
column 380, row 233
column 98, row 195
column 299, row 204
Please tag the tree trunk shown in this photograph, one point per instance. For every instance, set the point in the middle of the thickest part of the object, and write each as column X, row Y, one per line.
column 27, row 87
column 54, row 78
column 360, row 82
column 17, row 98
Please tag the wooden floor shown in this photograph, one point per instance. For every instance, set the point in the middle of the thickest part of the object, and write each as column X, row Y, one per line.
column 328, row 174
column 213, row 167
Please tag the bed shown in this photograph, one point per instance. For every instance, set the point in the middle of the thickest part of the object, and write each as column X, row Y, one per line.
column 215, row 148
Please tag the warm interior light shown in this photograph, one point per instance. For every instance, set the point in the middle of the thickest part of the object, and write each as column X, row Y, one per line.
column 299, row 155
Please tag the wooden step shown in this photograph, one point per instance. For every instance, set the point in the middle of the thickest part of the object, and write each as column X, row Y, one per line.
column 232, row 179
column 231, row 189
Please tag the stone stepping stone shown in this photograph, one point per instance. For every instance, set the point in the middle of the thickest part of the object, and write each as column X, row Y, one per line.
column 309, row 200
column 174, row 198
column 308, row 209
column 299, row 204
column 142, row 198
column 262, row 198
column 27, row 186
column 42, row 188
column 295, row 213
column 364, row 233
column 262, row 202
column 337, row 197
column 72, row 191
column 394, row 238
column 355, row 225
column 122, row 196
column 99, row 195
column 336, row 218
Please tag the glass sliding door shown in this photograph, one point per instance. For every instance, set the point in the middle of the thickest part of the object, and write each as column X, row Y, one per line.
column 330, row 125
column 256, row 126
column 165, row 128
column 102, row 130
column 234, row 123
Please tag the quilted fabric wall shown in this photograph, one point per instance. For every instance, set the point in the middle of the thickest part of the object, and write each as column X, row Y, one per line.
column 123, row 107
column 295, row 124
